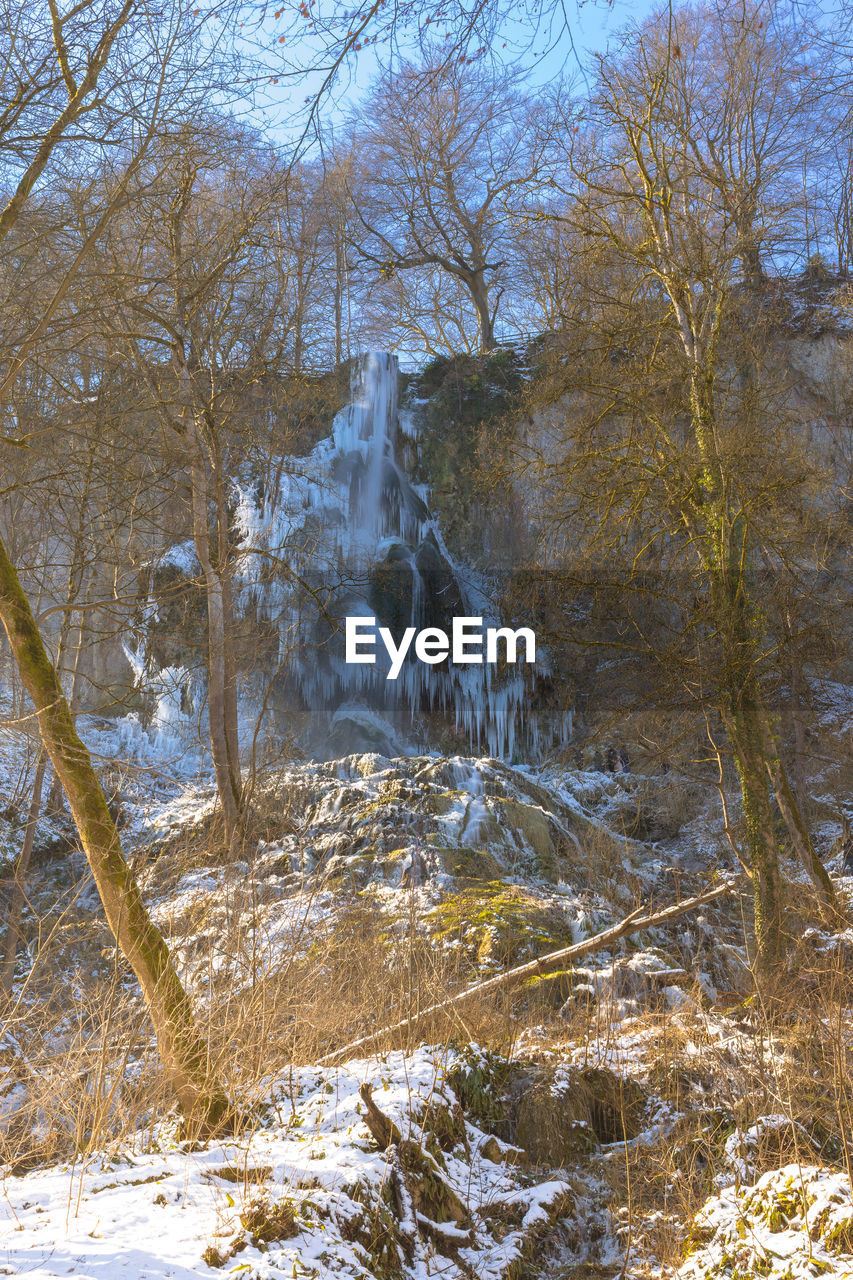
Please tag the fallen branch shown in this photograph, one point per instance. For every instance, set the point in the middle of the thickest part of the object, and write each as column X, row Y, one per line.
column 632, row 923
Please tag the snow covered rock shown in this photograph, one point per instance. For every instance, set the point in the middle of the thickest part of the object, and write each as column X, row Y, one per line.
column 795, row 1223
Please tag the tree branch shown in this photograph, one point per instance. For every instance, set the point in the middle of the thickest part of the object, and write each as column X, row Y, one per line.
column 632, row 923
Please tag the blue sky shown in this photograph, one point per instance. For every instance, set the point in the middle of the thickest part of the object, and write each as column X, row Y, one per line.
column 546, row 56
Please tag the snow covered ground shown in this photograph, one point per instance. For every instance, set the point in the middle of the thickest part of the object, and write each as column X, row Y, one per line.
column 306, row 1194
column 795, row 1222
column 533, row 853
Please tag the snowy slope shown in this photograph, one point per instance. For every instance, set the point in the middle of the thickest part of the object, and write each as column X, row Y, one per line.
column 306, row 1194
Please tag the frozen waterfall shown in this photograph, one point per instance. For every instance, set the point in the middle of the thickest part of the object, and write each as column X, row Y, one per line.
column 344, row 531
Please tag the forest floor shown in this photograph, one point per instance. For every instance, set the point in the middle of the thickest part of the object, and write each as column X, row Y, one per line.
column 637, row 1115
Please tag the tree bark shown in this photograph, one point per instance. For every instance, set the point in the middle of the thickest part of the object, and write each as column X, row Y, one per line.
column 201, row 448
column 223, row 569
column 724, row 560
column 182, row 1048
column 485, row 320
column 338, row 299
column 800, row 838
column 750, row 760
column 227, row 783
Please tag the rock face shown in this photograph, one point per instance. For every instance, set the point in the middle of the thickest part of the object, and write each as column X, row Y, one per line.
column 356, row 730
column 470, row 819
column 490, row 864
column 365, row 519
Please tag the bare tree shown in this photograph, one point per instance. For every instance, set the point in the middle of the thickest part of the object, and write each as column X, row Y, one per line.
column 218, row 301
column 447, row 157
column 679, row 452
column 52, row 83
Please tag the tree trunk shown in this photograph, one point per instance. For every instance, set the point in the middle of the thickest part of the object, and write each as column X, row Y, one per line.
column 753, row 271
column 182, row 1048
column 800, row 838
column 797, row 728
column 724, row 560
column 199, row 445
column 75, row 583
column 223, row 569
column 339, row 301
column 485, row 319
column 299, row 320
column 227, row 782
column 750, row 758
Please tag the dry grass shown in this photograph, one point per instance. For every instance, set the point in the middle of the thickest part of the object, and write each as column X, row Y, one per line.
column 81, row 1071
column 797, row 1063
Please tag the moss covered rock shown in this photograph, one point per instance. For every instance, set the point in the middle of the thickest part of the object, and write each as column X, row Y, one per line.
column 471, row 864
column 558, row 1121
column 499, row 924
column 534, row 829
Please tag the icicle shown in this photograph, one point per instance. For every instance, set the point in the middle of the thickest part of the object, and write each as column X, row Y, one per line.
column 338, row 514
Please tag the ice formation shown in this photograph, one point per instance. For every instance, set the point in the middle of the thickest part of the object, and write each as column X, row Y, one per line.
column 345, row 532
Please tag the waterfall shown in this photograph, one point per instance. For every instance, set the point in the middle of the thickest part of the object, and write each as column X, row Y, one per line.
column 380, row 391
column 345, row 532
column 342, row 531
column 361, row 434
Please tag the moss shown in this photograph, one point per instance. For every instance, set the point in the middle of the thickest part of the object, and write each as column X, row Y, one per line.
column 367, row 763
column 467, row 396
column 373, row 810
column 445, row 1126
column 354, row 871
column 397, row 790
column 499, row 924
column 534, row 828
column 558, row 1125
column 839, row 1238
column 440, row 802
column 267, row 1220
column 471, row 864
column 431, row 1195
column 554, row 1131
column 481, row 1081
column 393, row 864
column 375, row 1228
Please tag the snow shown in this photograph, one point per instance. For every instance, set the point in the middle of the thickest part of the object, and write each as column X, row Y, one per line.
column 794, row 1223
column 181, row 556
column 152, row 1209
column 741, row 1149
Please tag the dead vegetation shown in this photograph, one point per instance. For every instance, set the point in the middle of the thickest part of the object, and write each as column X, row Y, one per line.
column 654, row 1095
